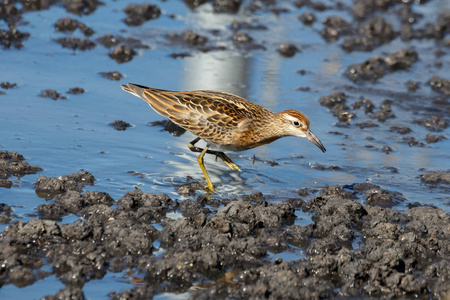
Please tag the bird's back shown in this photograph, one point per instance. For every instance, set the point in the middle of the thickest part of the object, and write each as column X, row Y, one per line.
column 218, row 117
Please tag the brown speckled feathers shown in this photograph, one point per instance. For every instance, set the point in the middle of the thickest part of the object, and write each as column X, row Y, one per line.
column 211, row 115
column 224, row 119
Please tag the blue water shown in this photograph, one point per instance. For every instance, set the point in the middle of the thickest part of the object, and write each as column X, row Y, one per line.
column 67, row 136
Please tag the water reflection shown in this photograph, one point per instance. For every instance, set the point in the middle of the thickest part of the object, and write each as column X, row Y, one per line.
column 219, row 71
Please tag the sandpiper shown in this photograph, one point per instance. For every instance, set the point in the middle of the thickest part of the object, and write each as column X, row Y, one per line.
column 225, row 121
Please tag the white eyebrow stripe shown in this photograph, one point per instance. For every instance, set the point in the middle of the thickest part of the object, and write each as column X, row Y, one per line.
column 291, row 118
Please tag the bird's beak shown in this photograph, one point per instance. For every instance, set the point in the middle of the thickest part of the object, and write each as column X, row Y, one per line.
column 313, row 138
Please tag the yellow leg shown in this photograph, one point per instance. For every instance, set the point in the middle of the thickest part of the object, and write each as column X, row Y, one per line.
column 222, row 156
column 228, row 161
column 202, row 166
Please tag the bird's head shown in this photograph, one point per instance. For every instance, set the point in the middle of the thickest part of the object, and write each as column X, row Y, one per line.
column 295, row 123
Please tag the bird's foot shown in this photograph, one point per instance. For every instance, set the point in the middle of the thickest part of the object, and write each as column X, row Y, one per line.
column 228, row 161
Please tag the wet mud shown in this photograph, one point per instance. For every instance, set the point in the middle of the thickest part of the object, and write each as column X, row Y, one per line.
column 14, row 164
column 120, row 125
column 357, row 244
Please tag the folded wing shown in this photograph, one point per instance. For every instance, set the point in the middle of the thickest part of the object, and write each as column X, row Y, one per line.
column 210, row 115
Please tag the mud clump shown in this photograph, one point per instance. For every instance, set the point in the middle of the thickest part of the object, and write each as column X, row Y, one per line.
column 412, row 141
column 12, row 38
column 50, row 186
column 52, row 94
column 169, row 126
column 194, row 39
column 137, row 14
column 336, row 102
column 5, row 213
column 374, row 33
column 401, row 129
column 287, row 50
column 334, row 27
column 433, row 123
column 401, row 60
column 70, row 25
column 76, row 43
column 120, row 125
column 412, row 85
column 376, row 67
column 73, row 201
column 190, row 188
column 383, row 198
column 440, row 85
column 226, row 6
column 431, row 138
column 76, row 91
column 69, row 292
column 188, row 37
column 242, row 38
column 122, row 53
column 371, row 69
column 113, row 75
column 108, row 40
column 81, row 7
column 244, row 41
column 36, row 5
column 436, row 178
column 7, row 85
column 138, row 292
column 308, row 19
column 12, row 164
column 242, row 25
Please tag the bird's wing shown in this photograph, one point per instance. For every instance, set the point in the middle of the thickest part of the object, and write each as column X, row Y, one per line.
column 208, row 114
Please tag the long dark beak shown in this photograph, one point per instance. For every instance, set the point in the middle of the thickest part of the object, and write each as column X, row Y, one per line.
column 313, row 138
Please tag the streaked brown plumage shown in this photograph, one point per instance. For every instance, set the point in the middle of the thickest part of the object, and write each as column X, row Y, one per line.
column 224, row 119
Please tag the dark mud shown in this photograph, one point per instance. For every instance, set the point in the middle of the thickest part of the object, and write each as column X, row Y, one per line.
column 356, row 245
column 288, row 50
column 76, row 43
column 169, row 126
column 376, row 67
column 120, row 125
column 12, row 38
column 440, row 85
column 14, row 164
column 76, row 91
column 348, row 114
column 113, row 75
column 122, row 53
column 8, row 85
column 436, row 178
column 137, row 14
column 70, row 25
column 52, row 94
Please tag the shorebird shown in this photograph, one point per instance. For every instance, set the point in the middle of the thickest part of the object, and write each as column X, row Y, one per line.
column 225, row 121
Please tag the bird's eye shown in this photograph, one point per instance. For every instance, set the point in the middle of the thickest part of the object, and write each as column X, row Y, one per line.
column 296, row 123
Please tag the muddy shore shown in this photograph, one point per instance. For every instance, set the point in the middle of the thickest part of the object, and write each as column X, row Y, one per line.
column 357, row 244
column 219, row 248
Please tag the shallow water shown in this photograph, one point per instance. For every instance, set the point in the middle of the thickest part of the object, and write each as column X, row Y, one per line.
column 66, row 136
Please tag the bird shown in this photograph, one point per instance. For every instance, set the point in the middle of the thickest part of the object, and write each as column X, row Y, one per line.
column 225, row 121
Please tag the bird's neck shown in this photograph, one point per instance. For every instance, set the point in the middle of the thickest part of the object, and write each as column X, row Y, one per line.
column 273, row 126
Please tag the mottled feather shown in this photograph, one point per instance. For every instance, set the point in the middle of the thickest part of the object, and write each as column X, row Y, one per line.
column 224, row 119
column 211, row 115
